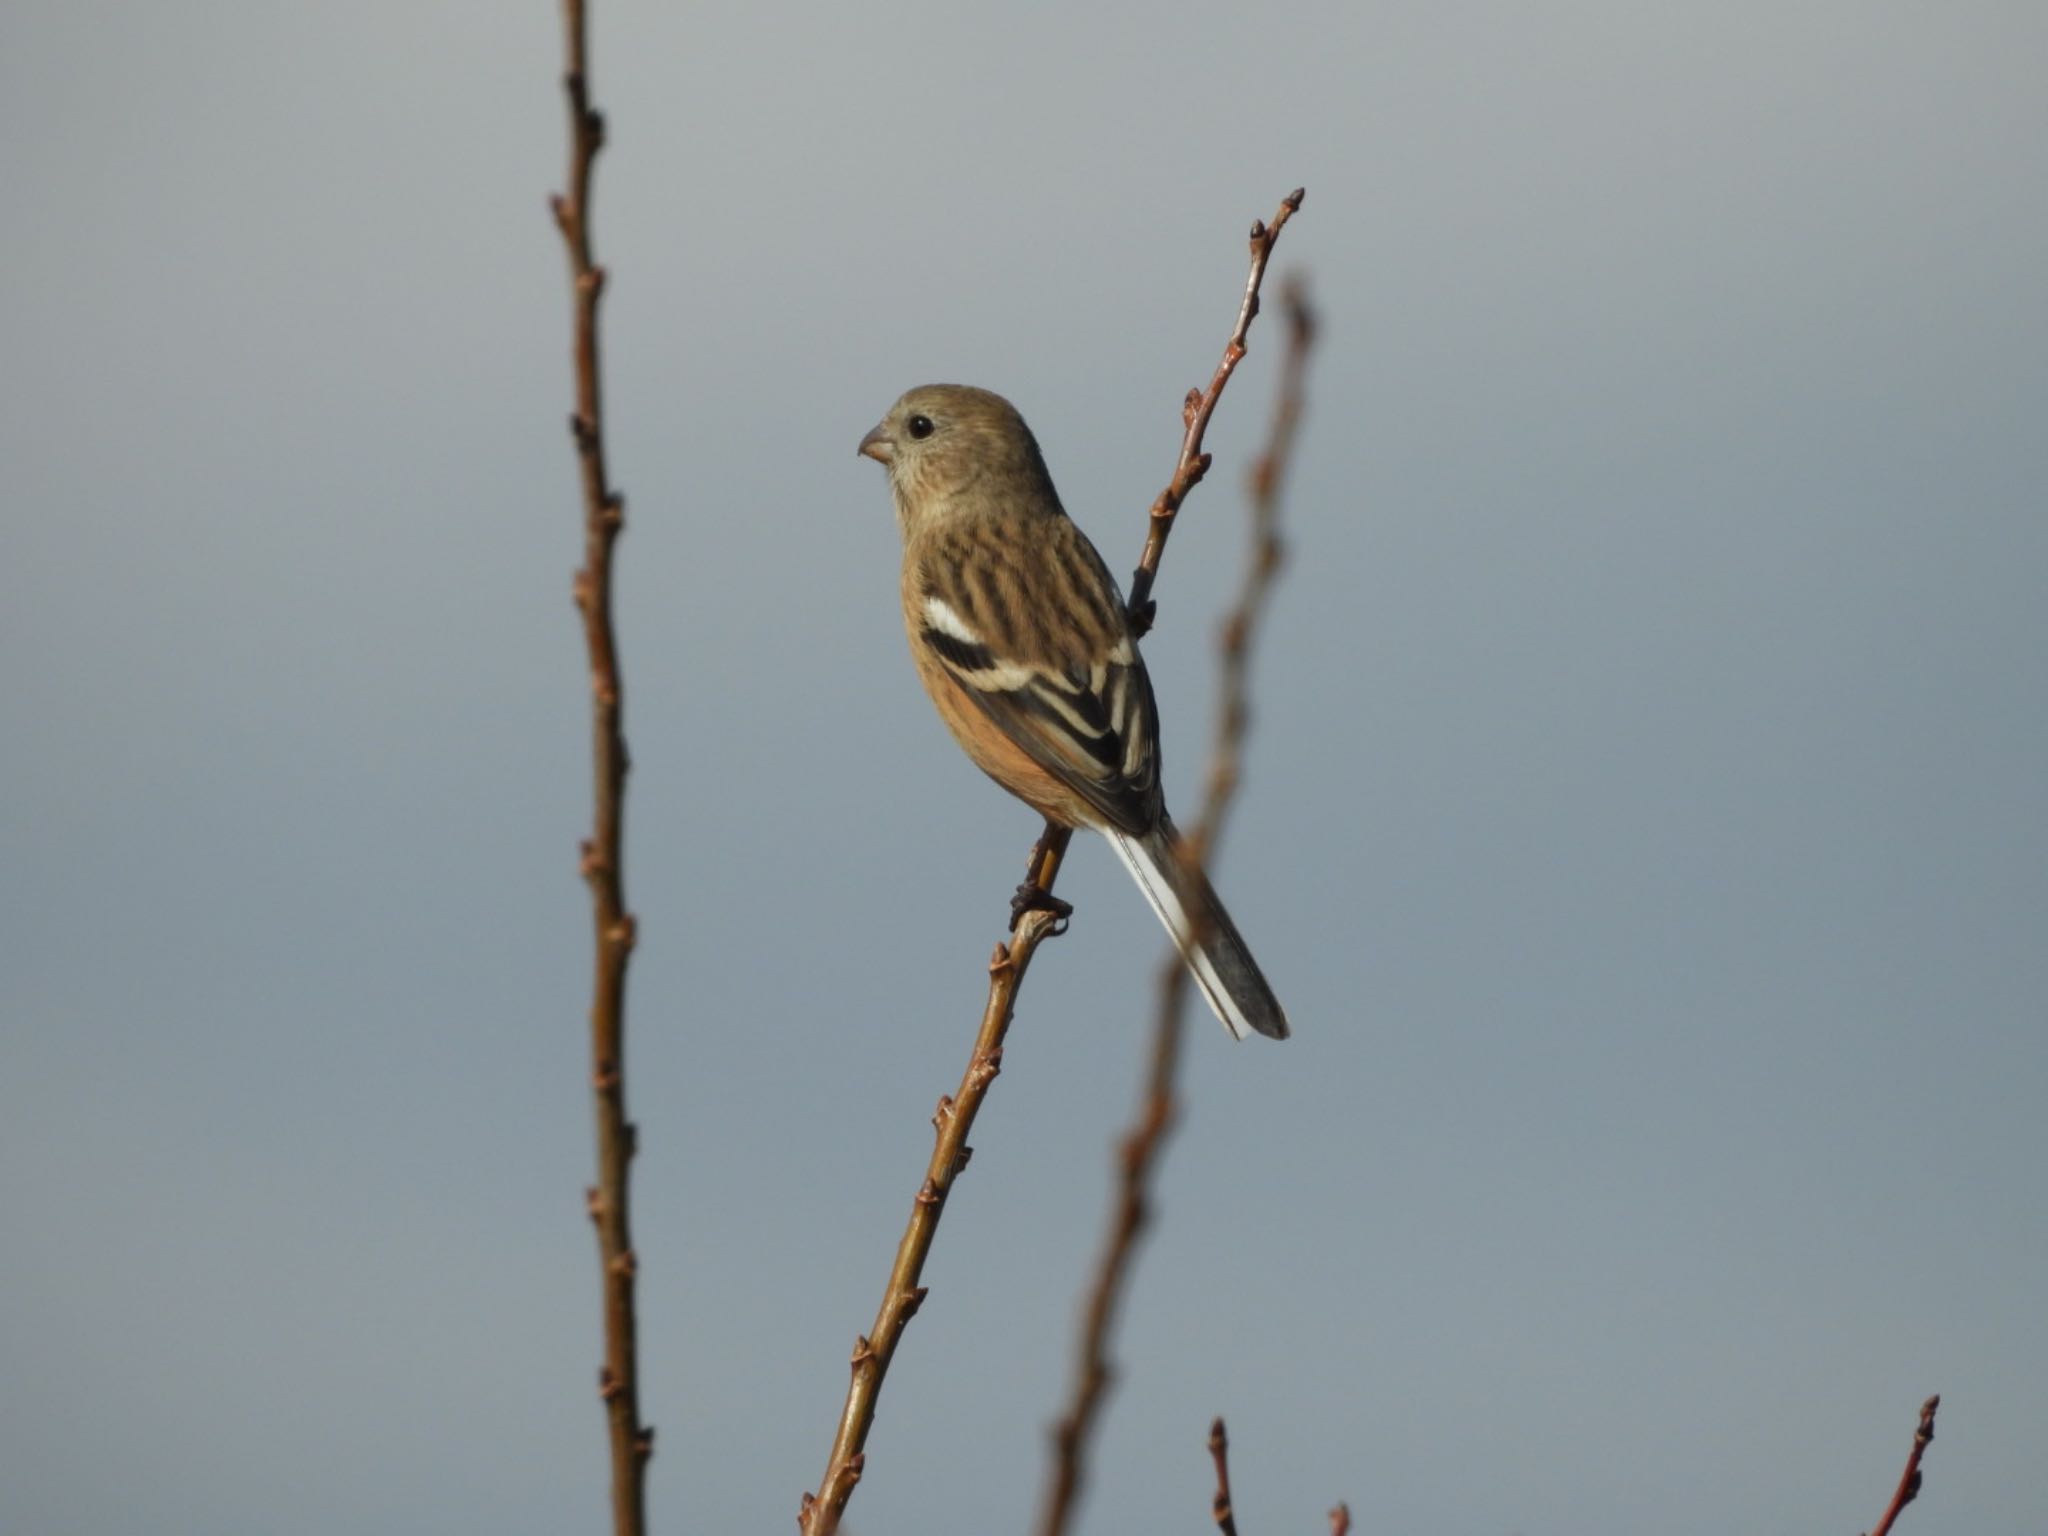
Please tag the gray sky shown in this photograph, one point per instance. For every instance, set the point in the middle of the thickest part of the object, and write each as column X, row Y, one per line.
column 1646, row 825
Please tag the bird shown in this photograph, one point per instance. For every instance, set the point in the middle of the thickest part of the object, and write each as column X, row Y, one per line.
column 1020, row 635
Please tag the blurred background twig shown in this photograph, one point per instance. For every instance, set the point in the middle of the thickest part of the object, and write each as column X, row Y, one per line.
column 1143, row 1143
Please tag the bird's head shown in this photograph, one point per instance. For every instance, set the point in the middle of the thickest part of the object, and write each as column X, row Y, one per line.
column 941, row 442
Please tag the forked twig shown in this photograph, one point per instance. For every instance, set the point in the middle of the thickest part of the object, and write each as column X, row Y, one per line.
column 821, row 1512
column 1909, row 1480
column 602, row 853
column 1144, row 1141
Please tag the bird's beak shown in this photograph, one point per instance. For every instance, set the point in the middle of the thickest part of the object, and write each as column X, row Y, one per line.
column 878, row 444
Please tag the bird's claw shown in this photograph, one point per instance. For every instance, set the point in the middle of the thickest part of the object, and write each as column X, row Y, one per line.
column 1035, row 898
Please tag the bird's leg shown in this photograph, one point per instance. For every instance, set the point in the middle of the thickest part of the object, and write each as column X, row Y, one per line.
column 1036, row 898
column 1035, row 894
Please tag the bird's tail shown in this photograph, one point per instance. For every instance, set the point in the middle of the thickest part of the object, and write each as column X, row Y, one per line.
column 1202, row 931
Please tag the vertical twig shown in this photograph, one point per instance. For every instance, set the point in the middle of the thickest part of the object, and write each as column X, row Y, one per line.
column 1143, row 1143
column 821, row 1512
column 1909, row 1480
column 602, row 852
column 1219, row 1452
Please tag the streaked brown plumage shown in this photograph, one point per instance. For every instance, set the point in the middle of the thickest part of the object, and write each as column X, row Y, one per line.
column 1019, row 635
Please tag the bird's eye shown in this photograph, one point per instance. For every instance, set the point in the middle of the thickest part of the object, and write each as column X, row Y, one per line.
column 920, row 426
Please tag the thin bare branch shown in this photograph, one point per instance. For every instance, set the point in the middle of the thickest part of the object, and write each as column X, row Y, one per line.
column 602, row 860
column 950, row 1152
column 821, row 1512
column 1219, row 1452
column 1143, row 1143
column 1195, row 412
column 1909, row 1480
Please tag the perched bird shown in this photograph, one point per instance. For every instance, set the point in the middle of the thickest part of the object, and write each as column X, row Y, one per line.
column 1020, row 637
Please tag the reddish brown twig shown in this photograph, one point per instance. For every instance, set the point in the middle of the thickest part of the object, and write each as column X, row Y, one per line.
column 1195, row 412
column 1909, row 1480
column 1219, row 1452
column 955, row 1117
column 1262, row 565
column 1340, row 1520
column 821, row 1512
column 1143, row 1143
column 602, row 858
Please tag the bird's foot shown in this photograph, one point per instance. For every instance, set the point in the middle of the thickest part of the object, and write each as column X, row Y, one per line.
column 1036, row 898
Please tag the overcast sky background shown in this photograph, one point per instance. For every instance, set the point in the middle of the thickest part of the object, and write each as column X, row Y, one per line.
column 1646, row 826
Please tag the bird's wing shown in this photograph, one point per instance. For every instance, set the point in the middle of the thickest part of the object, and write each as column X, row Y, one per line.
column 1045, row 652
